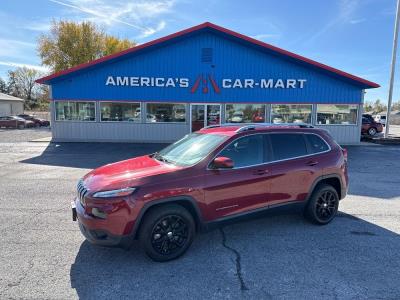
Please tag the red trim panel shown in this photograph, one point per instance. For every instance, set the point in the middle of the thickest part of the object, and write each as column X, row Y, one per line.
column 229, row 32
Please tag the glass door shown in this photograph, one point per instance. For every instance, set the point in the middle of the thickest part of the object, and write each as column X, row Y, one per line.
column 202, row 115
column 213, row 114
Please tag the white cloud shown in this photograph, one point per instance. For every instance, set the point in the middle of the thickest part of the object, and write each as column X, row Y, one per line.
column 357, row 21
column 151, row 31
column 20, row 65
column 142, row 15
column 346, row 12
column 263, row 36
column 15, row 49
column 37, row 26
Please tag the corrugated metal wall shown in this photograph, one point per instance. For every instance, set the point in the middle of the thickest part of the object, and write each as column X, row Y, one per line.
column 231, row 60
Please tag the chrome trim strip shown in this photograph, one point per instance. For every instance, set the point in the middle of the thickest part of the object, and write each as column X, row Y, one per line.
column 226, row 207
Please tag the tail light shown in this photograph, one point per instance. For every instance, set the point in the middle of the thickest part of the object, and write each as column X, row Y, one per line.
column 344, row 151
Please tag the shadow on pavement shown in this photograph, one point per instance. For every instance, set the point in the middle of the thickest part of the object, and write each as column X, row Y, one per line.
column 90, row 155
column 280, row 256
column 374, row 171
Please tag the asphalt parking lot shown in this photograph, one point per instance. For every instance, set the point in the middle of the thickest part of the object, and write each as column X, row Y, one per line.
column 279, row 256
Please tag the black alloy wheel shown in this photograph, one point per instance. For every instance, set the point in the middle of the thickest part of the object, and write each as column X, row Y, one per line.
column 169, row 235
column 323, row 205
column 166, row 232
column 326, row 205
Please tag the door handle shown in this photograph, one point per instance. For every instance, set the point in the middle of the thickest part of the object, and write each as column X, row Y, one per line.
column 260, row 172
column 312, row 163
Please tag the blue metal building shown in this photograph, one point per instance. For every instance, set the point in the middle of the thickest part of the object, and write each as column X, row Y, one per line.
column 161, row 90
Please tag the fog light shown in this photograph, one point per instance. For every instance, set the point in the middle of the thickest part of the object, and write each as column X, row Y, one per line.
column 99, row 213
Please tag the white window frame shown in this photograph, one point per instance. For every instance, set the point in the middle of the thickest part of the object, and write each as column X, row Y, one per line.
column 316, row 115
column 230, row 103
column 172, row 103
column 76, row 121
column 119, row 102
column 272, row 104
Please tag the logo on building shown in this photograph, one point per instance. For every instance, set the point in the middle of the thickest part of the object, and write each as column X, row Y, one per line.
column 206, row 83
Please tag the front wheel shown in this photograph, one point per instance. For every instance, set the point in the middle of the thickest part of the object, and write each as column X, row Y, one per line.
column 323, row 205
column 372, row 131
column 167, row 232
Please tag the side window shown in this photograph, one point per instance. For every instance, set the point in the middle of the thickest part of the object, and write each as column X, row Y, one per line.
column 287, row 145
column 316, row 143
column 245, row 151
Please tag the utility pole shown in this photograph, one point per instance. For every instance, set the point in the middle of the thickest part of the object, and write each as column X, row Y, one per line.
column 393, row 67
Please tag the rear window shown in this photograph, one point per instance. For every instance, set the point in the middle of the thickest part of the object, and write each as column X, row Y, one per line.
column 288, row 145
column 316, row 143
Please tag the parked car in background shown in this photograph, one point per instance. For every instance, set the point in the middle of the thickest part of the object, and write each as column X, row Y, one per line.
column 212, row 175
column 15, row 122
column 37, row 121
column 258, row 117
column 237, row 117
column 381, row 119
column 370, row 127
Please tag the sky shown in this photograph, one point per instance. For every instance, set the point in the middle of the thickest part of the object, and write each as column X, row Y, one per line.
column 355, row 36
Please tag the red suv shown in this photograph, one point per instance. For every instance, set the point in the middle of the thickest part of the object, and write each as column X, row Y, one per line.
column 215, row 174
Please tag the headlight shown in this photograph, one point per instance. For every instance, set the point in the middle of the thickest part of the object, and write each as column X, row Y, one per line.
column 114, row 193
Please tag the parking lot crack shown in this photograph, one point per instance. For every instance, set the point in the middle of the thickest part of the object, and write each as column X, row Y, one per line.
column 238, row 258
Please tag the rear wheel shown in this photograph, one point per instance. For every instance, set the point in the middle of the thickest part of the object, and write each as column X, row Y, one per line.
column 167, row 232
column 372, row 131
column 323, row 205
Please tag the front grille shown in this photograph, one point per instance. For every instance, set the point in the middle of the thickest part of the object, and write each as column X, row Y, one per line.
column 82, row 192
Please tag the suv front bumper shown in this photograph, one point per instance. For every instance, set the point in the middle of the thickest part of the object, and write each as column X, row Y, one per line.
column 103, row 232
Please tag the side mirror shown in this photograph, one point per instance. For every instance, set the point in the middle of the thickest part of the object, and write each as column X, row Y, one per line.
column 222, row 162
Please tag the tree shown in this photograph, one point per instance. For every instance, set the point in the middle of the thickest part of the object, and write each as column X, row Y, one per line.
column 69, row 44
column 378, row 106
column 22, row 82
column 3, row 86
column 368, row 106
column 396, row 105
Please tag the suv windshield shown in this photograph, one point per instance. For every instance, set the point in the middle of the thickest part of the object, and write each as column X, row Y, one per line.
column 191, row 149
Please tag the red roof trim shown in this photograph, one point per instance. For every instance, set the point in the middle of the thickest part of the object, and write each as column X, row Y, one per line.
column 368, row 83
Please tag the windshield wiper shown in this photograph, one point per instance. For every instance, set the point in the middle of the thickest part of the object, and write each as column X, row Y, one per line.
column 159, row 157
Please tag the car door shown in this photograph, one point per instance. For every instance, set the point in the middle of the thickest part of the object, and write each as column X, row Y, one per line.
column 242, row 188
column 292, row 170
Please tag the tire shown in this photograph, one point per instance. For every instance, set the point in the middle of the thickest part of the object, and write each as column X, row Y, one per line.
column 21, row 126
column 37, row 125
column 160, row 236
column 323, row 205
column 372, row 131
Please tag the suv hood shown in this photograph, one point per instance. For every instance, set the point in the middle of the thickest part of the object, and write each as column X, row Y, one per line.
column 126, row 173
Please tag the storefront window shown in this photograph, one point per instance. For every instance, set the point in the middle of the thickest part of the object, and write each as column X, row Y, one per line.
column 245, row 113
column 291, row 113
column 75, row 111
column 337, row 114
column 165, row 112
column 120, row 112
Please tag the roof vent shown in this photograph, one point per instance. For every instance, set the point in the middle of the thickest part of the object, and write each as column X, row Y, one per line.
column 207, row 55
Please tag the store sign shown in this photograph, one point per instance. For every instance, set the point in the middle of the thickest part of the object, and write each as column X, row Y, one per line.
column 204, row 83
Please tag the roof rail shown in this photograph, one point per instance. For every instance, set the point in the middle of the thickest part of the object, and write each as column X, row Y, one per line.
column 253, row 126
